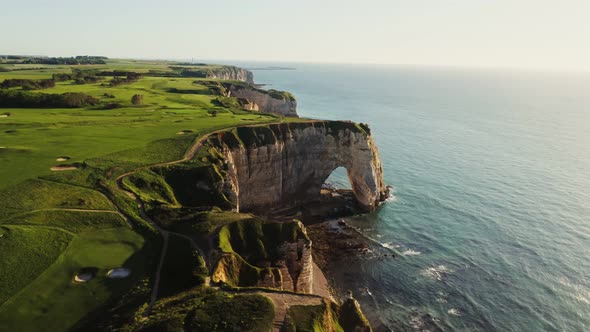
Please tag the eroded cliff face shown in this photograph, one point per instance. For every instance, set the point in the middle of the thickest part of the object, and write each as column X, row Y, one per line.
column 286, row 164
column 268, row 101
column 265, row 254
column 231, row 73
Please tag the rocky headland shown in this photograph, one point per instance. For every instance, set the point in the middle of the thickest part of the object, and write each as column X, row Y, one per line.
column 268, row 101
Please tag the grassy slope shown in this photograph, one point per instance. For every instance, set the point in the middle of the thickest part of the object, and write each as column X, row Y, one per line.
column 208, row 309
column 123, row 138
column 48, row 244
column 53, row 302
column 33, row 138
column 37, row 246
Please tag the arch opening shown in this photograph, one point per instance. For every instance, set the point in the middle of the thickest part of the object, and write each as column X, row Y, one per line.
column 336, row 197
column 338, row 180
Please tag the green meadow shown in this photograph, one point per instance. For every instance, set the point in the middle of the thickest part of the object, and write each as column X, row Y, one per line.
column 56, row 223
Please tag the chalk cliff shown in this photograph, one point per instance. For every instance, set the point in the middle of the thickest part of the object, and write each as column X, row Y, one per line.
column 231, row 73
column 284, row 165
column 253, row 253
column 267, row 101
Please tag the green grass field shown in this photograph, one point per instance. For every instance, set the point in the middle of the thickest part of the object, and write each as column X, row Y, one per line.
column 55, row 222
column 54, row 302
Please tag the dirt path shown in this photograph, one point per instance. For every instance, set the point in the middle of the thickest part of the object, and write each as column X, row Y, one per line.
column 79, row 210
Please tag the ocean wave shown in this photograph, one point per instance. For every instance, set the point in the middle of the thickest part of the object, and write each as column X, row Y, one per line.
column 442, row 297
column 436, row 272
column 410, row 252
column 389, row 245
column 455, row 312
column 391, row 197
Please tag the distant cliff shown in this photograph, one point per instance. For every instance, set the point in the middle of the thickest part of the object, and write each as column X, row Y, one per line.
column 267, row 101
column 286, row 164
column 231, row 73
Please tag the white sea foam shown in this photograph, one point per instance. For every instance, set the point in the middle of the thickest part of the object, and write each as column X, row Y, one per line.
column 391, row 198
column 442, row 297
column 455, row 312
column 390, row 245
column 410, row 252
column 436, row 272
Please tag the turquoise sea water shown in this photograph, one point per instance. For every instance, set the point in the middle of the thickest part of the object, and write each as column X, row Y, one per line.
column 491, row 177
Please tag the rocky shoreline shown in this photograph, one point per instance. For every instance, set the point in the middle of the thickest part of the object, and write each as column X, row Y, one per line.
column 336, row 243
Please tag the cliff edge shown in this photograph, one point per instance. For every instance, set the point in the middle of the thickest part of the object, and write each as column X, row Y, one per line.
column 283, row 165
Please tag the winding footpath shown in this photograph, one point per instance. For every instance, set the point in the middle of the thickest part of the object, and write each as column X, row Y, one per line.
column 281, row 300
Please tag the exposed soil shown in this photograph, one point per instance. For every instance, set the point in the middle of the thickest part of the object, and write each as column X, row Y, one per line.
column 63, row 158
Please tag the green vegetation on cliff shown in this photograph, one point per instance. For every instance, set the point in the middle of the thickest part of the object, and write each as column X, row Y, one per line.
column 326, row 317
column 202, row 309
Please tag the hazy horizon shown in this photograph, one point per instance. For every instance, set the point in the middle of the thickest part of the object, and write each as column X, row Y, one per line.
column 451, row 33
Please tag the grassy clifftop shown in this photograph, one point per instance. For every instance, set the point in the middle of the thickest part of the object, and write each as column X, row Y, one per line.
column 56, row 223
column 94, row 176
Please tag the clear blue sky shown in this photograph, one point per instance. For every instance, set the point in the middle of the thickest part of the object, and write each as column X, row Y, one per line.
column 498, row 33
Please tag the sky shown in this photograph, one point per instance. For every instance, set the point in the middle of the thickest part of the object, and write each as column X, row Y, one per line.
column 537, row 34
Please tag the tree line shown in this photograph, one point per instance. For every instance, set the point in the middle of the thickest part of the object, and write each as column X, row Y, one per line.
column 22, row 99
column 27, row 84
column 77, row 60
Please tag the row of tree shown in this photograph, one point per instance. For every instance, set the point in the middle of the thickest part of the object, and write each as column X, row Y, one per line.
column 22, row 99
column 129, row 78
column 27, row 84
column 78, row 76
column 78, row 60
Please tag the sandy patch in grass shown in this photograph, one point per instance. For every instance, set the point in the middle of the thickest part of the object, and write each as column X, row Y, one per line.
column 60, row 168
column 184, row 132
column 85, row 274
column 63, row 158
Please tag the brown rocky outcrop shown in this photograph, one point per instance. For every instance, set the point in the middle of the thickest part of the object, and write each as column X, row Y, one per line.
column 284, row 165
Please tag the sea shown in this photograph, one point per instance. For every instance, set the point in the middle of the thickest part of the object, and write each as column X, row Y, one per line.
column 489, row 216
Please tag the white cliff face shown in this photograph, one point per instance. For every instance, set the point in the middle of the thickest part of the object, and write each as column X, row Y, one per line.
column 266, row 101
column 231, row 73
column 286, row 164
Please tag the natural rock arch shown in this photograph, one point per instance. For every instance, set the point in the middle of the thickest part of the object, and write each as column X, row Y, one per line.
column 286, row 164
column 333, row 180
